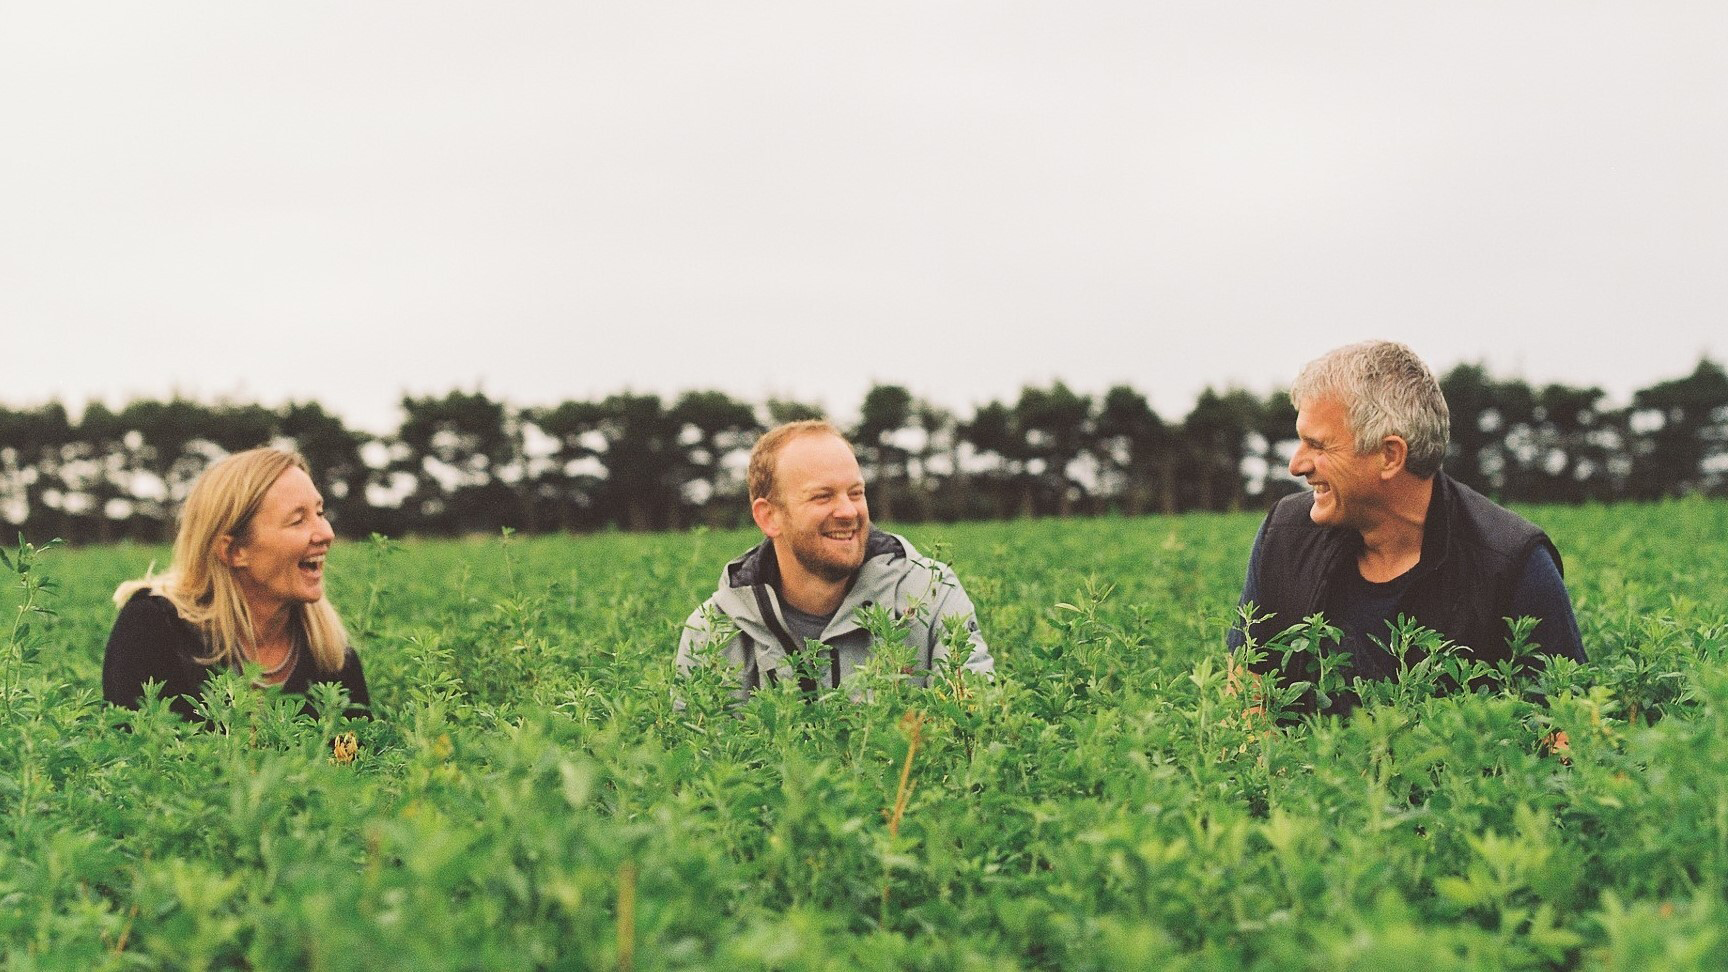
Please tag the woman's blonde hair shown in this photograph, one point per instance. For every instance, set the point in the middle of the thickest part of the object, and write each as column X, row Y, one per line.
column 202, row 587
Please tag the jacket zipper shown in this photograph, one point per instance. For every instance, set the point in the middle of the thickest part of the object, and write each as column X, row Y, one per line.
column 765, row 605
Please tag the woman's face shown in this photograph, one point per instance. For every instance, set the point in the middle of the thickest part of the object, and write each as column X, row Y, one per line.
column 280, row 560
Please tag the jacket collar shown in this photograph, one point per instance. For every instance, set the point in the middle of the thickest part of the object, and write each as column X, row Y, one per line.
column 760, row 566
column 1437, row 528
column 876, row 580
column 1346, row 543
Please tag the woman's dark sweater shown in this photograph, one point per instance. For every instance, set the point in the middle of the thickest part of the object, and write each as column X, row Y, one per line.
column 150, row 641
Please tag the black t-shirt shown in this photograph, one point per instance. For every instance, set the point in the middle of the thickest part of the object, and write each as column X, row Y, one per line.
column 1540, row 593
column 150, row 641
column 1362, row 611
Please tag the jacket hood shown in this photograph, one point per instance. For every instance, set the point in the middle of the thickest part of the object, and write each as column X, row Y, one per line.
column 760, row 566
column 888, row 561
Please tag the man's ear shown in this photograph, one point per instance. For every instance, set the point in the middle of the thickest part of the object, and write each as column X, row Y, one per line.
column 766, row 515
column 229, row 552
column 1394, row 451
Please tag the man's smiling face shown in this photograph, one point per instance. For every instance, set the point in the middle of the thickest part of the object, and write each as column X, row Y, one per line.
column 818, row 510
column 1345, row 482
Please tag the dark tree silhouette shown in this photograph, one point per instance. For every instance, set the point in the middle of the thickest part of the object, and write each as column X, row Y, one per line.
column 993, row 437
column 463, row 453
column 1684, row 435
column 886, row 412
column 1215, row 435
column 1476, row 423
column 466, row 462
column 1056, row 426
column 716, row 432
column 1136, row 451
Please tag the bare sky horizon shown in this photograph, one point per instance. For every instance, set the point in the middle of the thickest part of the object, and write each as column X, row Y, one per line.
column 348, row 202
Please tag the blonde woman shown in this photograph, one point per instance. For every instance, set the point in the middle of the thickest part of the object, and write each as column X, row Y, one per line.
column 246, row 585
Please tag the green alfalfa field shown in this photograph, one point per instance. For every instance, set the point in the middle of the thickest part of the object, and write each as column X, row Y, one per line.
column 531, row 796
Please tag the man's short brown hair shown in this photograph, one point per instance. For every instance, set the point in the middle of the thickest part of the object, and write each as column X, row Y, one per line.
column 766, row 453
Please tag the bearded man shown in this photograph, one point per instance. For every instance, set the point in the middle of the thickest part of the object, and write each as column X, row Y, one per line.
column 789, row 609
column 1383, row 532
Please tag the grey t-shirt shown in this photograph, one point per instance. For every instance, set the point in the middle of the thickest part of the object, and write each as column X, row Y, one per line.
column 805, row 627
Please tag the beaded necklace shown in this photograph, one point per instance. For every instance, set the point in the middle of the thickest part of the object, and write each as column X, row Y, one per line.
column 285, row 665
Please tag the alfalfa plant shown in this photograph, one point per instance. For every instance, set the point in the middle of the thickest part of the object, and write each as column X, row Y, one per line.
column 34, row 589
column 912, row 726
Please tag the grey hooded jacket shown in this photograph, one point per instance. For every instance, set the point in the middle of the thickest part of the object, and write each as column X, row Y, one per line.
column 747, row 612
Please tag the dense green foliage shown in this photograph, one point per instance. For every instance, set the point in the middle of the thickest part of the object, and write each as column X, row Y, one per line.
column 531, row 797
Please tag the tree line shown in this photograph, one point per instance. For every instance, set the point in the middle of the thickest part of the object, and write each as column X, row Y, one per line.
column 466, row 462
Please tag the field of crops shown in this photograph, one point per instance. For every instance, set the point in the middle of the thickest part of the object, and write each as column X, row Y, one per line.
column 531, row 797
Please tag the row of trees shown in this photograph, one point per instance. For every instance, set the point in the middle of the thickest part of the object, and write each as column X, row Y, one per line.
column 467, row 462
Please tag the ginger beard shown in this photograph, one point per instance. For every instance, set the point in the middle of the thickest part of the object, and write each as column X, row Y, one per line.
column 832, row 550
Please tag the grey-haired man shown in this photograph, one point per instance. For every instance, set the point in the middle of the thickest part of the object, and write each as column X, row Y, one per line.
column 1383, row 532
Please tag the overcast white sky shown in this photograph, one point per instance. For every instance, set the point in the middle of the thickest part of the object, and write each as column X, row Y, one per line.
column 349, row 201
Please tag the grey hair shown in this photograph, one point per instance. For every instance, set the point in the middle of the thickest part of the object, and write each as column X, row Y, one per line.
column 1385, row 390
